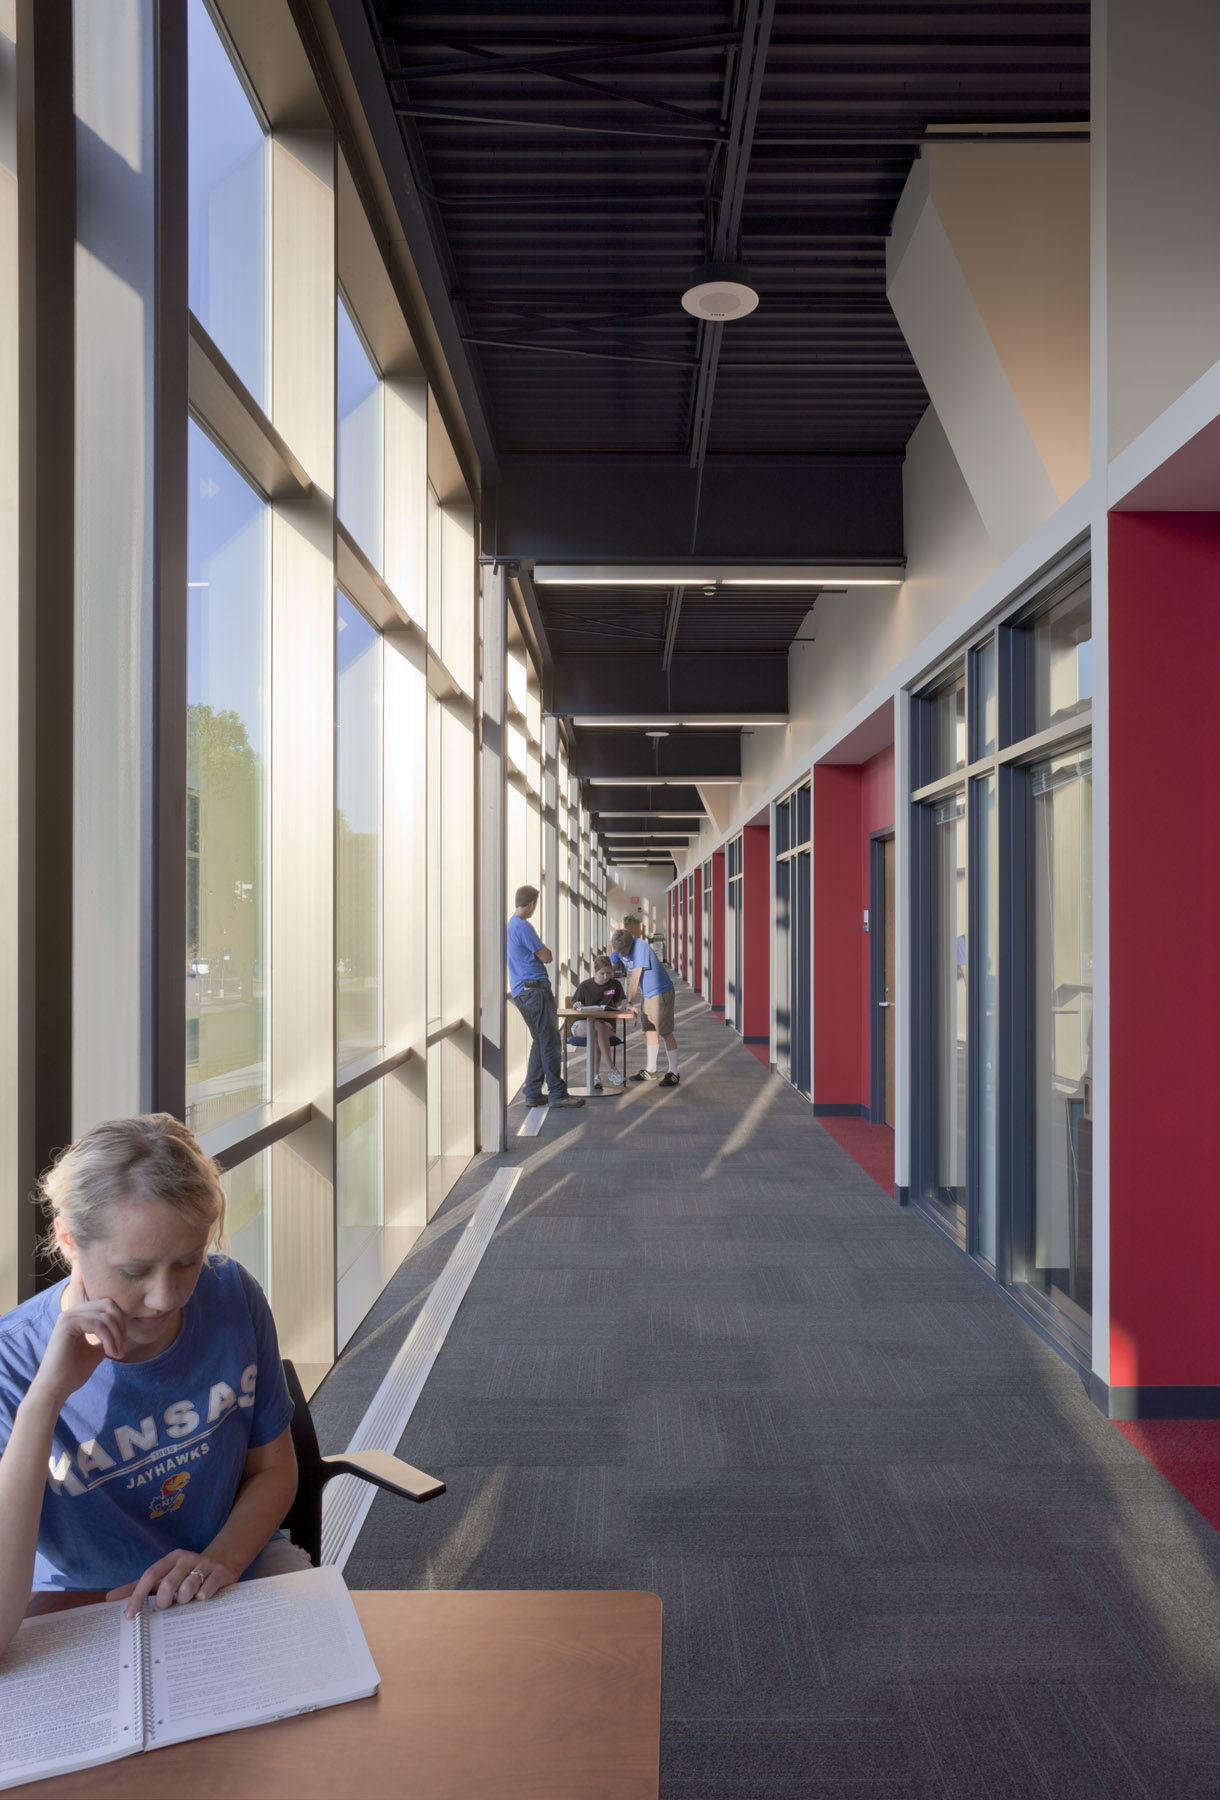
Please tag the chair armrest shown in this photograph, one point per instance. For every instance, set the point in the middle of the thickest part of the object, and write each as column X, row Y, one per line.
column 385, row 1471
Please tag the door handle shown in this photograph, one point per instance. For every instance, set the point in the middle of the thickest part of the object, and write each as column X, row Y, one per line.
column 885, row 1003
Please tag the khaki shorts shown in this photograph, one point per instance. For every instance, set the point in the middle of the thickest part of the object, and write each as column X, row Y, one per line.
column 659, row 1012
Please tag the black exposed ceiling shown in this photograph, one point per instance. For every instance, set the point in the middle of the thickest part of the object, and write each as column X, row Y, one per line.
column 576, row 162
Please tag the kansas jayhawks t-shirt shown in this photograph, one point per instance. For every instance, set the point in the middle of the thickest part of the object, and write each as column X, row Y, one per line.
column 148, row 1456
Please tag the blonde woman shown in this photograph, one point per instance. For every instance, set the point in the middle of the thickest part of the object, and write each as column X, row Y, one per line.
column 145, row 1443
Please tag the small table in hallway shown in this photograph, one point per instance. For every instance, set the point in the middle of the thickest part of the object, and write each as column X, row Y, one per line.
column 517, row 1695
column 586, row 1012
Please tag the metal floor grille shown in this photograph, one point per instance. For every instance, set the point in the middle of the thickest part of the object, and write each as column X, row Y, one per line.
column 346, row 1501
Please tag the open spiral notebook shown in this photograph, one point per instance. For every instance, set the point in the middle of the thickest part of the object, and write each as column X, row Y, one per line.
column 88, row 1686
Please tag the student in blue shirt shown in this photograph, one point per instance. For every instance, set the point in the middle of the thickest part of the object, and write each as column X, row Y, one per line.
column 145, row 1423
column 530, row 988
column 650, row 977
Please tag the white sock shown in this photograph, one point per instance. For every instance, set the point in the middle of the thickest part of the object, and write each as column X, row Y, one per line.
column 671, row 1057
column 650, row 1060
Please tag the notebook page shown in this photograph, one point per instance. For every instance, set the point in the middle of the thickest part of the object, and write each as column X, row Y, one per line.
column 258, row 1651
column 67, row 1693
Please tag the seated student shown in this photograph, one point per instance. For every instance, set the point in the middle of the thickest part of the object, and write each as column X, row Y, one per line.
column 601, row 989
column 145, row 1441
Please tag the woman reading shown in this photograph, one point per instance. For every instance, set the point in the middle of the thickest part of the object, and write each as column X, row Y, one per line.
column 145, row 1442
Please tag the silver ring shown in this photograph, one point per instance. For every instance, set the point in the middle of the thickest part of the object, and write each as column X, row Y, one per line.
column 198, row 1572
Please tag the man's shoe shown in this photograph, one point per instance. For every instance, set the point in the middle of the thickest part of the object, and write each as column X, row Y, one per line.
column 613, row 1077
column 538, row 1102
column 567, row 1100
column 670, row 1079
column 644, row 1075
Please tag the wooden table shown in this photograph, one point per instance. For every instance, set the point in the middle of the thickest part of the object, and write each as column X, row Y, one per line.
column 484, row 1696
column 586, row 1012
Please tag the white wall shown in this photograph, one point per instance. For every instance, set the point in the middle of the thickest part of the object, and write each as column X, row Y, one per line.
column 650, row 883
column 859, row 639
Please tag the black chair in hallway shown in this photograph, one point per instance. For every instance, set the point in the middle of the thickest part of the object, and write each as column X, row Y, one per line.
column 303, row 1521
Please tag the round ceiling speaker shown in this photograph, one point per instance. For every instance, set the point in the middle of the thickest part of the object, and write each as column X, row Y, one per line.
column 720, row 291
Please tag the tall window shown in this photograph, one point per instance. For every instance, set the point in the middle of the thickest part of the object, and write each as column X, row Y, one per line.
column 227, row 204
column 361, row 439
column 358, row 833
column 228, row 610
column 1002, row 1052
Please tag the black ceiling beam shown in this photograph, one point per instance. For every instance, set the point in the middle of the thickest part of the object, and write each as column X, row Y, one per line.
column 543, row 61
column 615, row 509
column 683, row 756
column 708, row 135
column 660, row 799
column 630, row 685
column 747, row 92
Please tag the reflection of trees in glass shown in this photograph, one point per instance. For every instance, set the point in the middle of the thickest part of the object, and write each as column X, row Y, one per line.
column 224, row 889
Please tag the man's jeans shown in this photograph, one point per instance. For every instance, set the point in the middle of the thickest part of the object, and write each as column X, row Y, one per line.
column 537, row 1007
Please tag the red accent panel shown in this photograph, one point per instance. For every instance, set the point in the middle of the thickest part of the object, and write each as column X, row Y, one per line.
column 877, row 804
column 872, row 1146
column 1164, row 650
column 840, row 965
column 756, row 933
column 718, row 929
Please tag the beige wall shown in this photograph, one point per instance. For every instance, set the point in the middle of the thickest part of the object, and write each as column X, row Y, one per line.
column 1162, row 216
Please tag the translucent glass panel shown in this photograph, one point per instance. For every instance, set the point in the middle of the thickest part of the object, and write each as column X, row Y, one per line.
column 358, row 831
column 952, row 1014
column 228, row 618
column 435, row 861
column 359, row 1130
column 361, row 439
column 1062, row 1251
column 248, row 1221
column 227, row 205
column 1062, row 672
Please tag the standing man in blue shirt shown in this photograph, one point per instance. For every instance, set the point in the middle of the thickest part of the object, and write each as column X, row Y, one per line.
column 650, row 977
column 530, row 987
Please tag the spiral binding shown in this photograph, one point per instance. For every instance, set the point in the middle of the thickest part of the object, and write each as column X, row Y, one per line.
column 143, row 1662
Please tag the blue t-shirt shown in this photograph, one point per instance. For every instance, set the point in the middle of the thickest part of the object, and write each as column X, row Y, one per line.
column 148, row 1456
column 654, row 979
column 523, row 965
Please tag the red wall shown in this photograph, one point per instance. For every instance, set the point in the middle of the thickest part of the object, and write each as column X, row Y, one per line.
column 850, row 800
column 1164, row 645
column 718, row 931
column 756, row 933
column 697, row 945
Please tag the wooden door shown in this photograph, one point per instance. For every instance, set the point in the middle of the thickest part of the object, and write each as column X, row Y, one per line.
column 888, row 973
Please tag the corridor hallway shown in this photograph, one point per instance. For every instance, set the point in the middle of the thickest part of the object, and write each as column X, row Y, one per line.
column 899, row 1551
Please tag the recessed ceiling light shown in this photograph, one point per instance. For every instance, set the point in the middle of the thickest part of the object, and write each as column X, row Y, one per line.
column 656, row 734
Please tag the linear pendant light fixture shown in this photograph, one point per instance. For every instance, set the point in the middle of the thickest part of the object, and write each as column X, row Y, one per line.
column 839, row 575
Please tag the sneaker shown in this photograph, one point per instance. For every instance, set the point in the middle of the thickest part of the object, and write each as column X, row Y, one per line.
column 567, row 1100
column 644, row 1075
column 670, row 1079
column 597, row 1081
column 614, row 1078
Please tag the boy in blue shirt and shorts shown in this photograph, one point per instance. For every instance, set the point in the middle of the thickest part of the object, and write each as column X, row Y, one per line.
column 650, row 977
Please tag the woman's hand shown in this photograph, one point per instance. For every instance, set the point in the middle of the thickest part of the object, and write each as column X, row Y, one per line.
column 85, row 1333
column 175, row 1580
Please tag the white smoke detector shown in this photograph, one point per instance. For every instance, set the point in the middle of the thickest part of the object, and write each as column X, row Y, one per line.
column 719, row 291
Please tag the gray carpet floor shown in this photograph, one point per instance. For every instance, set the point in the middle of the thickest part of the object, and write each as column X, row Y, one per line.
column 900, row 1553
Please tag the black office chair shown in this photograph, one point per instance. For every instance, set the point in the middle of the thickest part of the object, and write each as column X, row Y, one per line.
column 303, row 1520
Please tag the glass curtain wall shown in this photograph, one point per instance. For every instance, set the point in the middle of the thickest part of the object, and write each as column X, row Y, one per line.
column 329, row 570
column 1003, row 976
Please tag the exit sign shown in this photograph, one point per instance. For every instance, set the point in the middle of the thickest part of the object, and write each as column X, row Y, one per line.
column 635, row 899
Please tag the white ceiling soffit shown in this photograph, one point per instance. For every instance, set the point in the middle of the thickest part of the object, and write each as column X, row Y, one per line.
column 872, row 574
